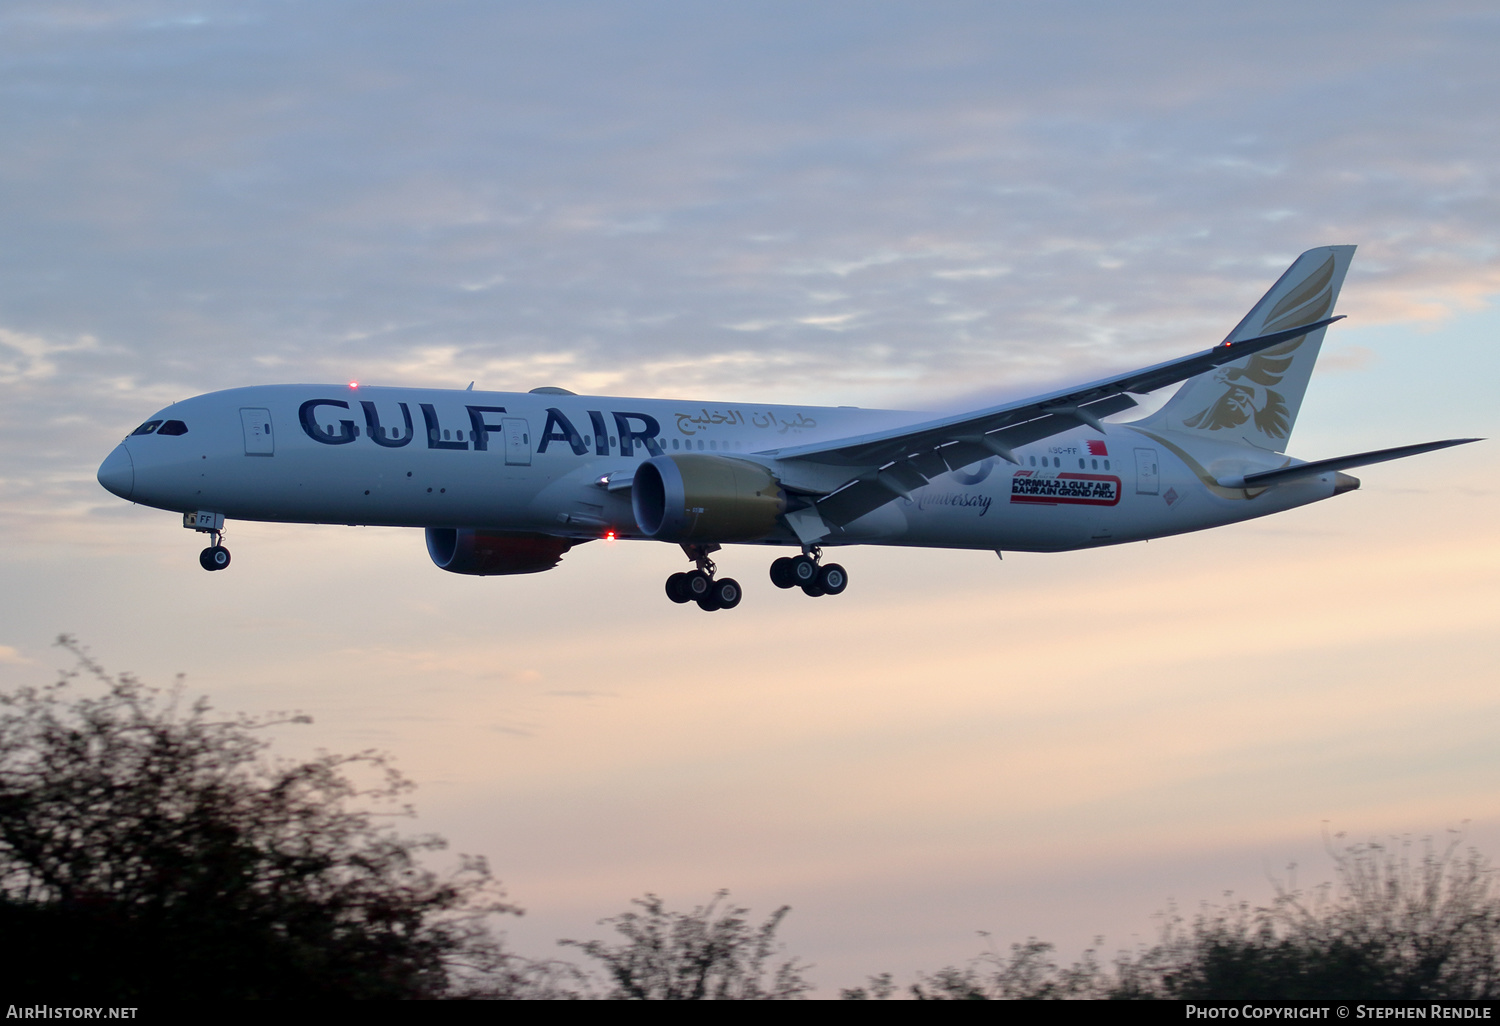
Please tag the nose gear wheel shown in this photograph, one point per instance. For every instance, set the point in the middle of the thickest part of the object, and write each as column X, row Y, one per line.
column 216, row 556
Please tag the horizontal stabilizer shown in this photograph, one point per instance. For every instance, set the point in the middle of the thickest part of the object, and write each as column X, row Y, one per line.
column 1282, row 475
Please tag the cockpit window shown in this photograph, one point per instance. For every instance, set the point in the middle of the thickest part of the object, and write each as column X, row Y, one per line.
column 172, row 427
column 147, row 428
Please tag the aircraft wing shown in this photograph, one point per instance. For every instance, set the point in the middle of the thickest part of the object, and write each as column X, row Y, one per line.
column 893, row 462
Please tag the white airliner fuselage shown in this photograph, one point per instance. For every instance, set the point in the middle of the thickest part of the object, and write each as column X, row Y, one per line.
column 506, row 482
column 1083, row 487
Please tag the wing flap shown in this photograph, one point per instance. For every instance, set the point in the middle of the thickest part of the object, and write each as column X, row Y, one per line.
column 849, row 504
column 869, row 491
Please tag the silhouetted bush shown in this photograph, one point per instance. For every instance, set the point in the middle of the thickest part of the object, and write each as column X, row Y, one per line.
column 705, row 954
column 149, row 850
column 1392, row 926
column 1028, row 973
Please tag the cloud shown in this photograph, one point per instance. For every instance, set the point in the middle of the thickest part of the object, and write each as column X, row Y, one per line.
column 617, row 188
column 512, row 731
column 970, row 273
column 1345, row 358
column 829, row 322
column 28, row 358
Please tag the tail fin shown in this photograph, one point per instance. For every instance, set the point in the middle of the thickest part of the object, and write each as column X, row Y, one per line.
column 1256, row 399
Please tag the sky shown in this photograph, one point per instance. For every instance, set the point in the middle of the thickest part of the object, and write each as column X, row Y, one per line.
column 921, row 206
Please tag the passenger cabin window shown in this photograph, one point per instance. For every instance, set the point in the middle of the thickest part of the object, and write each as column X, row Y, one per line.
column 172, row 427
column 147, row 428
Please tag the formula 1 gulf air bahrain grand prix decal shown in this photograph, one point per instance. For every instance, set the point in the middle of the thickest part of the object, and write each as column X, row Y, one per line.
column 1064, row 489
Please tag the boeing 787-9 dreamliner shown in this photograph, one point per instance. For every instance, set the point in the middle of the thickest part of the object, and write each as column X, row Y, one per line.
column 507, row 482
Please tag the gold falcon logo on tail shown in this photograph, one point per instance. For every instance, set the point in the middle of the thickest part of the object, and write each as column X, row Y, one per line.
column 1255, row 400
column 1248, row 391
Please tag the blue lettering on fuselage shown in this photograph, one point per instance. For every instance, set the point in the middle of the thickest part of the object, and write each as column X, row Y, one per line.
column 434, row 431
column 308, row 414
column 560, row 429
column 601, row 434
column 378, row 434
column 635, row 429
column 646, row 434
column 483, row 428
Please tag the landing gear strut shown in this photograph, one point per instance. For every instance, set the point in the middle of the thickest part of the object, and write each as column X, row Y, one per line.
column 808, row 572
column 700, row 585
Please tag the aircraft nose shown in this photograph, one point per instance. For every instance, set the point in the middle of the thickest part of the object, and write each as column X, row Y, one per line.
column 117, row 472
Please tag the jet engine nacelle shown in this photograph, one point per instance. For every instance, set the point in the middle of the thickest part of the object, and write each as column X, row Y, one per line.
column 702, row 498
column 486, row 553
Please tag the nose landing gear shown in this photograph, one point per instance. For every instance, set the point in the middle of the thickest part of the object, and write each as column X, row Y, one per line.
column 216, row 556
column 701, row 586
column 808, row 573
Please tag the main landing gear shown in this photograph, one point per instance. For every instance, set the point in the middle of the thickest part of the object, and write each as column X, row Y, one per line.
column 808, row 573
column 701, row 586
